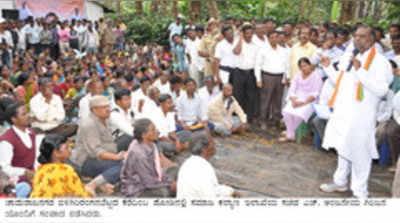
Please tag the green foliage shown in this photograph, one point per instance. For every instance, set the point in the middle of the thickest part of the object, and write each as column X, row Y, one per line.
column 149, row 27
column 153, row 27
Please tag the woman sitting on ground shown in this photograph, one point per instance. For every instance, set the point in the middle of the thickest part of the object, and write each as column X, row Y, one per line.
column 54, row 179
column 304, row 90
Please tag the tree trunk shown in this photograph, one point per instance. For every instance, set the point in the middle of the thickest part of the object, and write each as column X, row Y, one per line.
column 361, row 9
column 377, row 10
column 348, row 10
column 195, row 10
column 154, row 5
column 164, row 7
column 118, row 7
column 213, row 9
column 302, row 7
column 175, row 8
column 139, row 7
column 368, row 8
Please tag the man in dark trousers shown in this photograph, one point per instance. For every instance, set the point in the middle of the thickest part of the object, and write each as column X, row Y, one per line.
column 244, row 80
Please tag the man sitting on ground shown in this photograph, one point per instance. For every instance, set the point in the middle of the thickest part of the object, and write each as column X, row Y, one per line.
column 94, row 87
column 122, row 119
column 221, row 111
column 96, row 152
column 19, row 148
column 190, row 112
column 196, row 177
column 208, row 93
column 48, row 112
column 169, row 141
column 142, row 174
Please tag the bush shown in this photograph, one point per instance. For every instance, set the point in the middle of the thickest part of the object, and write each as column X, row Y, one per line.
column 144, row 28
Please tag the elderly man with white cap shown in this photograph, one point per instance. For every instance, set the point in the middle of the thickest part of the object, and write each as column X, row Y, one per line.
column 96, row 152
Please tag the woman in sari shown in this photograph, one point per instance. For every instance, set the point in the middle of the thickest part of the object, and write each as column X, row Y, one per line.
column 53, row 178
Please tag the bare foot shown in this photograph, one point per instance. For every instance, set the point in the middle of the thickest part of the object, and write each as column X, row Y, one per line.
column 91, row 190
column 107, row 189
column 392, row 169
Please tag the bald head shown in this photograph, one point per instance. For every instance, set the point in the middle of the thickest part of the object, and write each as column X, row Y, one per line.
column 227, row 90
column 153, row 93
column 260, row 29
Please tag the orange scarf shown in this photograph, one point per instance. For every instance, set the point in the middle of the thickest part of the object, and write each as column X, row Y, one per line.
column 360, row 91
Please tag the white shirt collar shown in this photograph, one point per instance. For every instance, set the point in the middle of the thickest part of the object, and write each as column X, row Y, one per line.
column 20, row 132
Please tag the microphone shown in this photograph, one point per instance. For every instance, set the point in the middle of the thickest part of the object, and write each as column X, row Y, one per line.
column 355, row 52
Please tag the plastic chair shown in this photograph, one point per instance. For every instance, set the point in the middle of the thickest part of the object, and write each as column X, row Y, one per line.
column 383, row 153
column 317, row 140
column 301, row 132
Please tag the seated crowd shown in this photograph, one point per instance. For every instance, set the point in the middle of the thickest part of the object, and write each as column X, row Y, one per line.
column 82, row 118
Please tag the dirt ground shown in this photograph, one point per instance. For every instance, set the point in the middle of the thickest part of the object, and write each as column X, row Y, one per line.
column 261, row 167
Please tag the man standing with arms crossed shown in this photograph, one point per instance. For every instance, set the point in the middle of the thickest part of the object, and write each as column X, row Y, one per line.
column 351, row 127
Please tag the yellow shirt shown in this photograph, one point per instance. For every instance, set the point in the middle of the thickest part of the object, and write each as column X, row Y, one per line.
column 297, row 52
column 56, row 180
column 71, row 93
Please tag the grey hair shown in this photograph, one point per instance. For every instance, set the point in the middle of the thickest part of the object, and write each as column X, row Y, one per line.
column 198, row 142
column 141, row 126
column 151, row 90
column 366, row 26
column 44, row 81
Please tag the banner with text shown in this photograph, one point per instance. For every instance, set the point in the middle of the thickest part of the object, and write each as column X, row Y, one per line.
column 64, row 9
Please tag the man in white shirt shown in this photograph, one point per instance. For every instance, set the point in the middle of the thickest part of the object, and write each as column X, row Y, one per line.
column 21, row 45
column 352, row 134
column 271, row 65
column 189, row 109
column 32, row 32
column 19, row 146
column 150, row 105
column 225, row 60
column 162, row 83
column 208, row 93
column 82, row 33
column 200, row 60
column 329, row 50
column 192, row 53
column 175, row 83
column 196, row 176
column 260, row 37
column 245, row 84
column 175, row 28
column 76, row 16
column 169, row 142
column 47, row 111
column 94, row 87
column 139, row 97
column 24, row 12
column 122, row 119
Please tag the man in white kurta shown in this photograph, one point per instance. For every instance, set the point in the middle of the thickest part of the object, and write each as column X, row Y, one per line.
column 351, row 127
column 196, row 176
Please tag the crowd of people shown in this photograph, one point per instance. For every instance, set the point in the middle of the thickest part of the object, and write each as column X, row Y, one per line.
column 83, row 110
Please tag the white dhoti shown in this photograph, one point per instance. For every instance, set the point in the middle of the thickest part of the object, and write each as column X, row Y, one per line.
column 351, row 126
column 359, row 175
